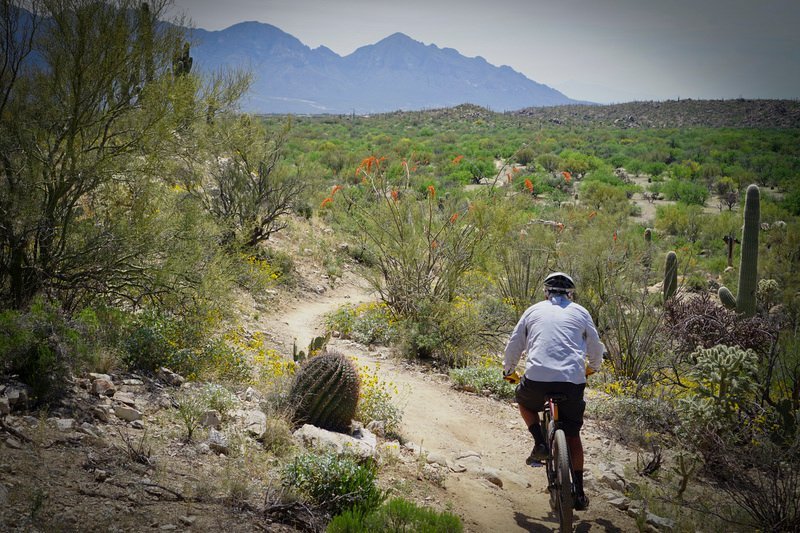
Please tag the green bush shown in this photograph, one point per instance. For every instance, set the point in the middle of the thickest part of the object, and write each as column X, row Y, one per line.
column 335, row 483
column 369, row 323
column 396, row 516
column 42, row 346
column 479, row 378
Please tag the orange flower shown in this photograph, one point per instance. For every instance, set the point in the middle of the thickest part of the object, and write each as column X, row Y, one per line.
column 395, row 195
column 431, row 191
column 614, row 236
column 529, row 185
column 335, row 188
column 434, row 245
column 453, row 218
column 458, row 159
column 325, row 202
column 592, row 215
column 515, row 170
column 567, row 176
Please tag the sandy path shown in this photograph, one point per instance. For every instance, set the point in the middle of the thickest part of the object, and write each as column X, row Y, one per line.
column 450, row 423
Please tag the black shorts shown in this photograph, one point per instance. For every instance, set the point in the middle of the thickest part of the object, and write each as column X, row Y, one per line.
column 531, row 395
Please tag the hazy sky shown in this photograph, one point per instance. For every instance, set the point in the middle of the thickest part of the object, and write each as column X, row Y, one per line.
column 598, row 50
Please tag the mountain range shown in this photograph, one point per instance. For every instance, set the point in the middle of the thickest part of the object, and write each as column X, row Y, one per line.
column 396, row 73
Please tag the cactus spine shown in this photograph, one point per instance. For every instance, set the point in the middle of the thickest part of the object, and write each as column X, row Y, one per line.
column 325, row 392
column 745, row 301
column 670, row 275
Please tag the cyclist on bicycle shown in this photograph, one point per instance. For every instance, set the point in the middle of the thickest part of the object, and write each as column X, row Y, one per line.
column 557, row 334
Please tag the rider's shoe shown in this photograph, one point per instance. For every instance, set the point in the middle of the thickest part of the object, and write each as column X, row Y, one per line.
column 581, row 502
column 538, row 454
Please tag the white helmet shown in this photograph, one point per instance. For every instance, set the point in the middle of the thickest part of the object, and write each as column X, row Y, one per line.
column 558, row 282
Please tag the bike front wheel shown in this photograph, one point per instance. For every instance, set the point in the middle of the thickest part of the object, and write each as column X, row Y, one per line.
column 564, row 481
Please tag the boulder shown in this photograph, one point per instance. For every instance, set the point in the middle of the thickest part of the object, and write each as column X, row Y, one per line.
column 362, row 444
column 217, row 442
column 129, row 414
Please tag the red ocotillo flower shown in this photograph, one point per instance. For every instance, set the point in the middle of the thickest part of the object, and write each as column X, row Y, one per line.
column 567, row 176
column 458, row 159
column 335, row 188
column 592, row 215
column 529, row 185
column 326, row 202
column 395, row 195
column 614, row 236
column 453, row 218
column 431, row 191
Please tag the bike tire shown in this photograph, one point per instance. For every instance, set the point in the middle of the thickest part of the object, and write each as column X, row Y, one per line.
column 564, row 478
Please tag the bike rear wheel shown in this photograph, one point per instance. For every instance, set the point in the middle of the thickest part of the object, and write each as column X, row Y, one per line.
column 564, row 481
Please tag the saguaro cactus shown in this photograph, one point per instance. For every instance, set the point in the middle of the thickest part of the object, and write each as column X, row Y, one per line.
column 745, row 301
column 670, row 275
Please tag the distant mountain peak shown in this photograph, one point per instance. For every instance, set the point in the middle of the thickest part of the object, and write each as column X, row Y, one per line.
column 396, row 73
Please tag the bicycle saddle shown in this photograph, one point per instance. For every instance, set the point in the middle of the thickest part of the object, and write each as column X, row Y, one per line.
column 556, row 396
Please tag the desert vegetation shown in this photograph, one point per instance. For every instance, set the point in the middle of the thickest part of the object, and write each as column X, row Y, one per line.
column 138, row 208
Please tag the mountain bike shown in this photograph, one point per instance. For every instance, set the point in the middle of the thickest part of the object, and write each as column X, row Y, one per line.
column 558, row 465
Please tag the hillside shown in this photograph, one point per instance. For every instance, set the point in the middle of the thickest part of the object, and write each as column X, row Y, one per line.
column 740, row 113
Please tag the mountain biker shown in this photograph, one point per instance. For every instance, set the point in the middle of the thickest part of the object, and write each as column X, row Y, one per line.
column 556, row 333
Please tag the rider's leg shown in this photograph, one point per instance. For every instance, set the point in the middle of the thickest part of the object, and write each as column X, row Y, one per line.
column 576, row 455
column 576, row 452
column 531, row 419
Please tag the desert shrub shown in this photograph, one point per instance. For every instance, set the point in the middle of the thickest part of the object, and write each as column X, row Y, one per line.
column 760, row 476
column 377, row 401
column 42, row 346
column 368, row 323
column 334, row 483
column 395, row 516
column 687, row 192
column 633, row 417
column 423, row 245
column 680, row 220
column 701, row 322
column 277, row 437
column 482, row 377
column 218, row 398
column 190, row 409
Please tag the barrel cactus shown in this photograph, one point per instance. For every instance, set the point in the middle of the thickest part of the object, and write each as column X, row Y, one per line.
column 325, row 392
column 745, row 300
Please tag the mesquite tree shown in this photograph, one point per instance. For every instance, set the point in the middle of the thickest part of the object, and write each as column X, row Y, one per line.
column 90, row 109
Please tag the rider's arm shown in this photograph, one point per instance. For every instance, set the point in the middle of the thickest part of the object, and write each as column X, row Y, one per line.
column 594, row 348
column 515, row 346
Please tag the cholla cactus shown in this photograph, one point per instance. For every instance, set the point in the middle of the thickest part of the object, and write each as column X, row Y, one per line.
column 726, row 378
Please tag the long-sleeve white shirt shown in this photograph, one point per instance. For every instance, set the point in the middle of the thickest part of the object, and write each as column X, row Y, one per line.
column 556, row 334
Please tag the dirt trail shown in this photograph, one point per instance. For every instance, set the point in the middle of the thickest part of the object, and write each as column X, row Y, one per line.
column 481, row 436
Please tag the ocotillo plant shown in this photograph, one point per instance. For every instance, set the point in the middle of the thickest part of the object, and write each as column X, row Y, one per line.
column 745, row 301
column 670, row 275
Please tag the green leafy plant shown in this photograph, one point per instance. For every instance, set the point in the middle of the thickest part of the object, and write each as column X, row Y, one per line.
column 480, row 378
column 335, row 483
column 395, row 516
